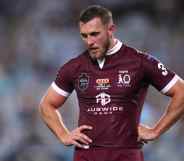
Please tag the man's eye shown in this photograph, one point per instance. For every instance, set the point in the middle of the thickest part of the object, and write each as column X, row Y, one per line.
column 84, row 35
column 94, row 33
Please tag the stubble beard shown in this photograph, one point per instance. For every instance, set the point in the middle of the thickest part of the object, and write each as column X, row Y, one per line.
column 103, row 52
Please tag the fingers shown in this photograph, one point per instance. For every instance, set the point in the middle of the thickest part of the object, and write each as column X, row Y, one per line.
column 79, row 139
column 85, row 127
column 142, row 141
column 139, row 139
column 82, row 138
column 85, row 137
column 77, row 144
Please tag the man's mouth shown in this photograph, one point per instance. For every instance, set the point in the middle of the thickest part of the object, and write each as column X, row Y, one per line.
column 93, row 49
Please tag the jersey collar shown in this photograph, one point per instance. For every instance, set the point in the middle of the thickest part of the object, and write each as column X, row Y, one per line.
column 115, row 48
column 111, row 51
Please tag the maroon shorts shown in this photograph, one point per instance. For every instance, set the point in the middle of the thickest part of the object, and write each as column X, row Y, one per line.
column 108, row 154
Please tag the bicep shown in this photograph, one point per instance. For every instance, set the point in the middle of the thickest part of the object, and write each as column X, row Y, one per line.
column 53, row 98
column 176, row 89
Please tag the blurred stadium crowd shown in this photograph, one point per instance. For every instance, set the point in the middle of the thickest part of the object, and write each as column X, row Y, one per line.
column 38, row 36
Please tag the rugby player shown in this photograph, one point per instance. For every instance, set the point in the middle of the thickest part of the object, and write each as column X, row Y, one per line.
column 111, row 80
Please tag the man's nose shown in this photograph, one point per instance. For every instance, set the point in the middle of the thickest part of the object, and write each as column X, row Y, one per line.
column 90, row 41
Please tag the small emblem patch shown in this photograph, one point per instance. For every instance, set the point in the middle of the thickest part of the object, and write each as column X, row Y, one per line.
column 83, row 81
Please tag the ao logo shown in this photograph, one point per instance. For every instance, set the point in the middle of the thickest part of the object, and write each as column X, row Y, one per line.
column 103, row 98
column 125, row 79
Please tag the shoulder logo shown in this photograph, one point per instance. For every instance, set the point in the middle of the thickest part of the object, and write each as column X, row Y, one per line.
column 83, row 81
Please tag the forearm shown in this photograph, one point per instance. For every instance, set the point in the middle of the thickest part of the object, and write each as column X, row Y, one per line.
column 173, row 113
column 53, row 120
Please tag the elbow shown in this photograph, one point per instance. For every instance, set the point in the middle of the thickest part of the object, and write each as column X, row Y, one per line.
column 182, row 102
column 181, row 92
column 180, row 98
column 45, row 108
column 41, row 108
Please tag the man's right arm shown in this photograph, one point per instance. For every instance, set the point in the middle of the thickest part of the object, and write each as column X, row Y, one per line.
column 49, row 112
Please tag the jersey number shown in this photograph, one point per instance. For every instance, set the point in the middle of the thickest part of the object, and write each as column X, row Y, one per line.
column 162, row 67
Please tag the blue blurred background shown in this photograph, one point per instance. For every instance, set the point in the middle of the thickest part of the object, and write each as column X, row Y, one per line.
column 38, row 36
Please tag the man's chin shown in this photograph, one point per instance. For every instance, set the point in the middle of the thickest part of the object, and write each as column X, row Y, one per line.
column 96, row 56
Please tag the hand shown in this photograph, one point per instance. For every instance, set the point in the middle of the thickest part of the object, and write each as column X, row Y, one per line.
column 146, row 134
column 77, row 138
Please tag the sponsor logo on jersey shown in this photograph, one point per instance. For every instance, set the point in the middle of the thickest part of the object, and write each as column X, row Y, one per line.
column 103, row 98
column 102, row 84
column 107, row 110
column 124, row 78
column 83, row 81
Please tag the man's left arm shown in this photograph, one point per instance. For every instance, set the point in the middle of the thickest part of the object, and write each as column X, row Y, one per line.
column 172, row 114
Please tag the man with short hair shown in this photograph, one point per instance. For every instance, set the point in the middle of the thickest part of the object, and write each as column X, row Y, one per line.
column 111, row 82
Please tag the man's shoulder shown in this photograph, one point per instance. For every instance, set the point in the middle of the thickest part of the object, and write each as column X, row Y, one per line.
column 132, row 51
column 77, row 61
column 142, row 55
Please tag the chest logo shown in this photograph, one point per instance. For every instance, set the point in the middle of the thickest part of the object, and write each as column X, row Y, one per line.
column 103, row 98
column 83, row 81
column 124, row 78
column 102, row 84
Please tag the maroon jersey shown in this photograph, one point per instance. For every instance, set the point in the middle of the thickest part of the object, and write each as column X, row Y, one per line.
column 108, row 154
column 111, row 92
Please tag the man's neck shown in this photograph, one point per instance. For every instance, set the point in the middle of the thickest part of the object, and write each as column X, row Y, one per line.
column 113, row 42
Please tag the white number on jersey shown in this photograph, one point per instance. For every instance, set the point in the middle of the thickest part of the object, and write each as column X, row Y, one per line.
column 162, row 67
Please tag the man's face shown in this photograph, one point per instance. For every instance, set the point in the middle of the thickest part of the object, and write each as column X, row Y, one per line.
column 96, row 36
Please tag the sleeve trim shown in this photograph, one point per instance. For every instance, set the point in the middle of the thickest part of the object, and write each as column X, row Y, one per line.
column 170, row 84
column 59, row 90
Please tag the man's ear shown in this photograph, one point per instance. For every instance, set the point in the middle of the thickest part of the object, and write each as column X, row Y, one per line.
column 111, row 29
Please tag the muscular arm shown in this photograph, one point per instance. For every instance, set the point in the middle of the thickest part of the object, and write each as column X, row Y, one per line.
column 173, row 113
column 49, row 112
column 174, row 110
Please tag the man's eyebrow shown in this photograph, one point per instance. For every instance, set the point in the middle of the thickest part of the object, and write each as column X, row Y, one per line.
column 93, row 33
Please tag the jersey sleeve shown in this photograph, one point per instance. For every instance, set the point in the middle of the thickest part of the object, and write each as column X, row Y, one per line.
column 157, row 74
column 63, row 83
